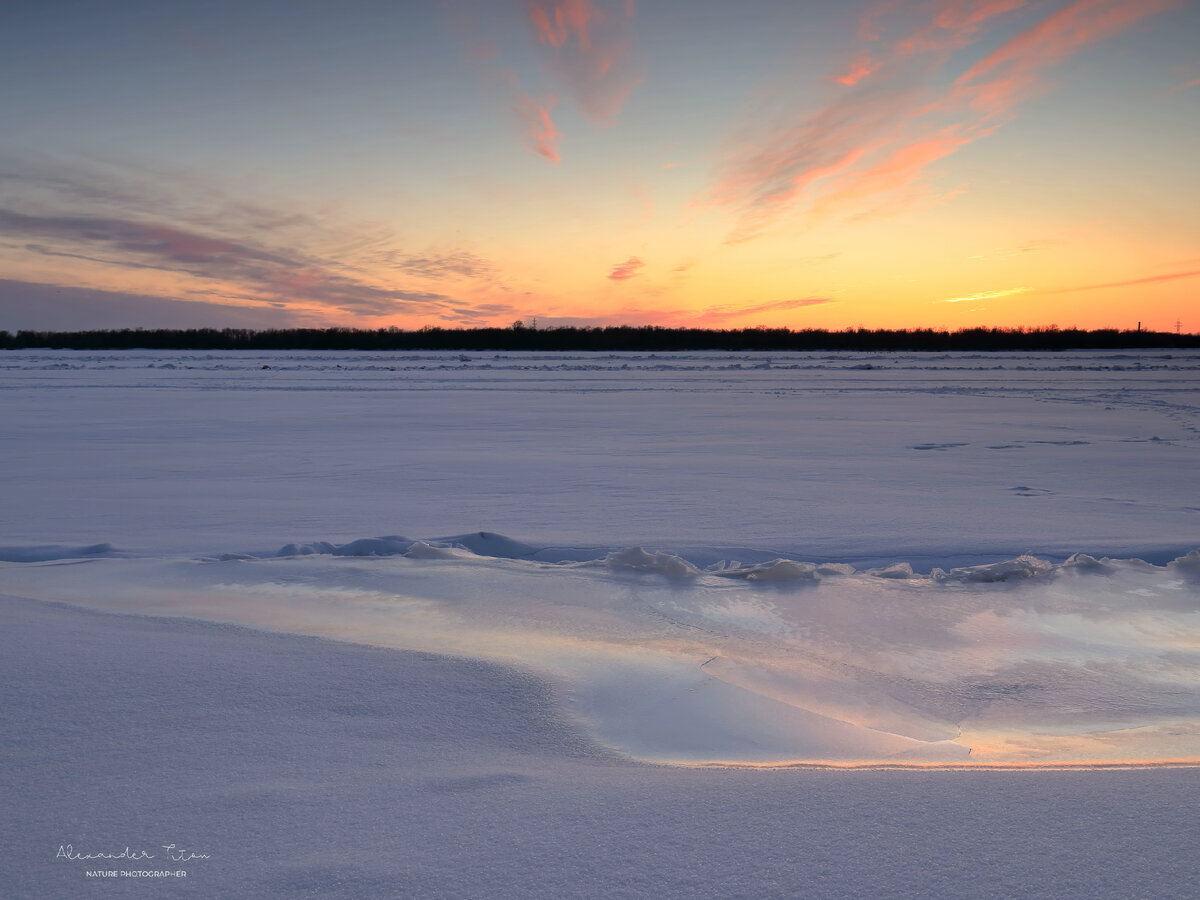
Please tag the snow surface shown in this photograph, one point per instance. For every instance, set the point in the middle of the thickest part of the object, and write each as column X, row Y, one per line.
column 937, row 460
column 962, row 566
column 307, row 768
column 1022, row 662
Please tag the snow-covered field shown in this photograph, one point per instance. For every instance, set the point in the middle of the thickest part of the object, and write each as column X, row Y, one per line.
column 957, row 595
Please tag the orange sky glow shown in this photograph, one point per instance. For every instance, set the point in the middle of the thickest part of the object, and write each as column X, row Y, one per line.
column 898, row 164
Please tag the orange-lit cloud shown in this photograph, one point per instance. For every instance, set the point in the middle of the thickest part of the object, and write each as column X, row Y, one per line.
column 1151, row 279
column 889, row 120
column 626, row 270
column 987, row 295
column 591, row 54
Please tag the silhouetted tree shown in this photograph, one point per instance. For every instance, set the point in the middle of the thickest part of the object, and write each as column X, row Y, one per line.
column 608, row 339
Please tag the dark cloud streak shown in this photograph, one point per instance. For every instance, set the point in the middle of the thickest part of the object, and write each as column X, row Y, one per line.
column 280, row 275
column 461, row 264
column 229, row 248
column 32, row 306
column 173, row 245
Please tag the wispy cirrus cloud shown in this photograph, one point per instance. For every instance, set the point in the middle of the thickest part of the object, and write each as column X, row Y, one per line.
column 725, row 313
column 944, row 26
column 1189, row 76
column 858, row 69
column 713, row 316
column 894, row 171
column 253, row 271
column 988, row 295
column 219, row 253
column 893, row 112
column 556, row 20
column 584, row 50
column 626, row 270
column 588, row 50
column 1149, row 279
column 531, row 116
column 536, row 124
column 1036, row 245
column 458, row 264
column 169, row 244
column 1132, row 282
column 996, row 84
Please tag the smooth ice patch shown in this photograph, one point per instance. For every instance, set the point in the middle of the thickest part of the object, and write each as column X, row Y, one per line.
column 1023, row 662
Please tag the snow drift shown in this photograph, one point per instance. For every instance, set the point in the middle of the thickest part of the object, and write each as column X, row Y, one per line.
column 1020, row 662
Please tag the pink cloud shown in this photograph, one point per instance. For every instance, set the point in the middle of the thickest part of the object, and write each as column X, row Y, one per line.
column 554, row 21
column 870, row 26
column 533, row 118
column 1150, row 279
column 1188, row 76
column 857, row 70
column 590, row 51
column 945, row 24
column 766, row 179
column 483, row 51
column 723, row 313
column 998, row 82
column 900, row 168
column 647, row 203
column 889, row 120
column 584, row 50
column 626, row 270
column 955, row 24
column 716, row 316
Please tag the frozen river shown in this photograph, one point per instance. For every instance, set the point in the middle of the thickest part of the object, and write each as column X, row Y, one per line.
column 866, row 459
column 651, row 625
column 794, row 558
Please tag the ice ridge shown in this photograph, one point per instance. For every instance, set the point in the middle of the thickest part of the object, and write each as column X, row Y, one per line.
column 485, row 544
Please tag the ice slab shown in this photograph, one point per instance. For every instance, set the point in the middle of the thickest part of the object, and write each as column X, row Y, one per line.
column 1026, row 662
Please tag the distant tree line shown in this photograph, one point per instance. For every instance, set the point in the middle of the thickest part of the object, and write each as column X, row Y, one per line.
column 646, row 338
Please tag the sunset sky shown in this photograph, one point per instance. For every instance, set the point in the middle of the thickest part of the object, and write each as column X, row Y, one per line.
column 901, row 163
